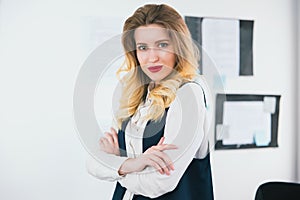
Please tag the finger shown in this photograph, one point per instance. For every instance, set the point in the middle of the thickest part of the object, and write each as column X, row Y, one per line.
column 155, row 165
column 115, row 137
column 106, row 142
column 163, row 160
column 163, row 147
column 166, row 159
column 102, row 143
column 112, row 130
column 109, row 138
column 101, row 140
column 105, row 145
column 161, row 141
column 159, row 163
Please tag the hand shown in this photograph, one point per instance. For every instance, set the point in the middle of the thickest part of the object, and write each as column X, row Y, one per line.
column 109, row 143
column 167, row 165
column 154, row 156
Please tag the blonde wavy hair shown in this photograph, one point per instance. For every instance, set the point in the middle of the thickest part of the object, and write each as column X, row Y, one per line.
column 135, row 82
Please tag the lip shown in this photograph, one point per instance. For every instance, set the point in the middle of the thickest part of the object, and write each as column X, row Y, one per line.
column 155, row 68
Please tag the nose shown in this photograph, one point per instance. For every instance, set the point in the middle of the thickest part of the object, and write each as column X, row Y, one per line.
column 153, row 55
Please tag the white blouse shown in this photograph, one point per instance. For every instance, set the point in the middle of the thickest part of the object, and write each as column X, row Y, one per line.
column 187, row 126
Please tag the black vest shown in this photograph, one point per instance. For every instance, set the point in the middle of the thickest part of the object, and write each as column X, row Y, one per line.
column 196, row 182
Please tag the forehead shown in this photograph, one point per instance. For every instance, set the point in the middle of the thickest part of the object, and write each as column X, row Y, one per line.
column 151, row 33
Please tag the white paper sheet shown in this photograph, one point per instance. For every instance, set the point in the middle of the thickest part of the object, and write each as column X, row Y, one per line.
column 245, row 119
column 221, row 41
column 270, row 104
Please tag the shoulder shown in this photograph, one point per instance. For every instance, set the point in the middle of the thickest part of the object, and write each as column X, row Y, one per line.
column 191, row 85
column 189, row 95
column 191, row 90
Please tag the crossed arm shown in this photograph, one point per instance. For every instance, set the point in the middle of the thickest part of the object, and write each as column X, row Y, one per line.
column 169, row 160
column 154, row 156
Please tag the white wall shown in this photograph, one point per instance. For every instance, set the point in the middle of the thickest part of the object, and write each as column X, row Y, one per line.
column 298, row 89
column 40, row 56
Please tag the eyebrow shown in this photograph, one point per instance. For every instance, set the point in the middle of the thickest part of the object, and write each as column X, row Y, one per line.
column 156, row 42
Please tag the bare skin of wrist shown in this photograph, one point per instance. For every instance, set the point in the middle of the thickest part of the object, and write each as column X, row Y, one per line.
column 123, row 169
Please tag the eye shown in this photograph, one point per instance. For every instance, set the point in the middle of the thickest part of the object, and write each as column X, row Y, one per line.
column 163, row 45
column 142, row 47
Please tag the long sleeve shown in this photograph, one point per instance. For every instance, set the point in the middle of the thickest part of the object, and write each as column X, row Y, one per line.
column 184, row 128
column 106, row 168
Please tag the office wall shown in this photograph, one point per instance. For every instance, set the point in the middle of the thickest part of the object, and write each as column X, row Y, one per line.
column 40, row 51
column 298, row 89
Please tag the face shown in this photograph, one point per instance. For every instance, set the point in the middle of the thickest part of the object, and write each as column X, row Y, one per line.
column 155, row 51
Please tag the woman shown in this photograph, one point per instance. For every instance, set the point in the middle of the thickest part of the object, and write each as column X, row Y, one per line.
column 161, row 148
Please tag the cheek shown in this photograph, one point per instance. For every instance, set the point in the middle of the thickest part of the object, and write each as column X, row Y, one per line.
column 141, row 58
column 170, row 59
